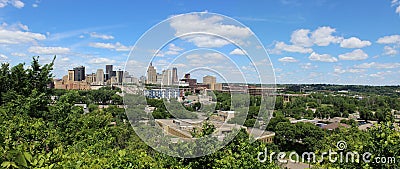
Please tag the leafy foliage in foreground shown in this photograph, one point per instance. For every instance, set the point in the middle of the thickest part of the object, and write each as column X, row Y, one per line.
column 36, row 132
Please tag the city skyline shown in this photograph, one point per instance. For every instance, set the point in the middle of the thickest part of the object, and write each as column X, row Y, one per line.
column 338, row 42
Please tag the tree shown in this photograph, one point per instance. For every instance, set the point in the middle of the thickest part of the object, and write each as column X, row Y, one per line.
column 273, row 122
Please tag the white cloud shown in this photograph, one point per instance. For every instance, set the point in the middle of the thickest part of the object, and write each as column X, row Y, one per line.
column 389, row 39
column 65, row 59
column 398, row 9
column 17, row 34
column 238, row 51
column 281, row 46
column 117, row 46
column 3, row 58
column 354, row 42
column 102, row 61
column 381, row 75
column 357, row 54
column 155, row 52
column 35, row 5
column 355, row 70
column 338, row 70
column 15, row 3
column 206, row 41
column 23, row 27
column 301, row 38
column 287, row 59
column 101, row 36
column 323, row 36
column 308, row 65
column 396, row 3
column 351, row 70
column 48, row 50
column 173, row 49
column 378, row 65
column 198, row 23
column 18, row 54
column 391, row 51
column 206, row 59
column 322, row 57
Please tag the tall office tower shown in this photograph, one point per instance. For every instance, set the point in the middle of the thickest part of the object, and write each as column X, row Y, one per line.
column 126, row 74
column 174, row 75
column 167, row 77
column 90, row 78
column 100, row 77
column 112, row 74
column 79, row 73
column 120, row 76
column 159, row 78
column 109, row 69
column 209, row 80
column 71, row 75
column 151, row 74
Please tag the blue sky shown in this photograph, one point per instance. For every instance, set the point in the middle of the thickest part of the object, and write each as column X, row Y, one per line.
column 316, row 41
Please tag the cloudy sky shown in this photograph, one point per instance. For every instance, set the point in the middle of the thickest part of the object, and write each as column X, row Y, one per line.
column 316, row 41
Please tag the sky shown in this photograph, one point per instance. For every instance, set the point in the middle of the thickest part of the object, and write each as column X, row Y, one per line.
column 315, row 41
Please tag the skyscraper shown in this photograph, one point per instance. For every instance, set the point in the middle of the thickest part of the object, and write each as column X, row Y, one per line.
column 120, row 76
column 71, row 75
column 159, row 78
column 91, row 78
column 167, row 77
column 109, row 69
column 174, row 75
column 151, row 74
column 79, row 73
column 100, row 77
column 209, row 80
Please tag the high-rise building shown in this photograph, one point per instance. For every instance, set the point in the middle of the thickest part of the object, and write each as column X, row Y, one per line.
column 167, row 77
column 100, row 77
column 209, row 80
column 174, row 75
column 91, row 78
column 120, row 76
column 212, row 82
column 79, row 73
column 126, row 74
column 151, row 74
column 217, row 86
column 113, row 74
column 71, row 75
column 159, row 78
column 109, row 69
